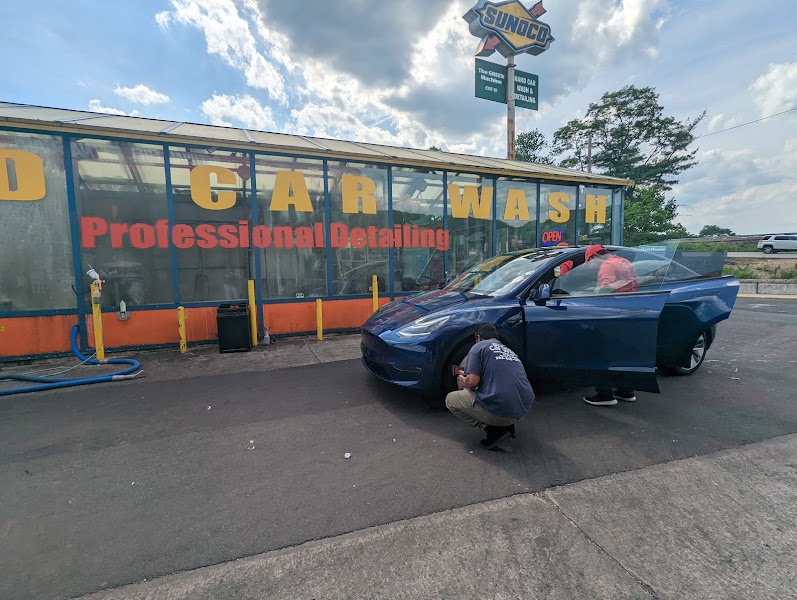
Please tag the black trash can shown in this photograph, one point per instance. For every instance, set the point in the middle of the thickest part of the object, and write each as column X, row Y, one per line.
column 233, row 325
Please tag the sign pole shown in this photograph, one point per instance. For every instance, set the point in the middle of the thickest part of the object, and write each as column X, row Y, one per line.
column 510, row 107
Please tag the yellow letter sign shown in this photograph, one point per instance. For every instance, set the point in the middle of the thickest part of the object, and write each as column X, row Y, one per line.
column 29, row 170
column 285, row 183
column 461, row 206
column 356, row 188
column 200, row 187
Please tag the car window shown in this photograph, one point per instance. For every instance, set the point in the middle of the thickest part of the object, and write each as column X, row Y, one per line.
column 629, row 270
column 781, row 237
column 501, row 274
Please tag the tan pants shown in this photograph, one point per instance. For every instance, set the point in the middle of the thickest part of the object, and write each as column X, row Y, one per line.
column 463, row 404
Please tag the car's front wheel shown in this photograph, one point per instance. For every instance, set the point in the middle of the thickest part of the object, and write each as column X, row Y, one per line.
column 696, row 357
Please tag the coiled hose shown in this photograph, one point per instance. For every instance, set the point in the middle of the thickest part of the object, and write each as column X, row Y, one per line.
column 53, row 383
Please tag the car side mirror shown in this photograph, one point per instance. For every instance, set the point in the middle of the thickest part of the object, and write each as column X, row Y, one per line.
column 542, row 294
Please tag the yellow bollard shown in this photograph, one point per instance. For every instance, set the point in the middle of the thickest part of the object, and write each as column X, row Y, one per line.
column 375, row 288
column 96, row 310
column 319, row 319
column 181, row 329
column 252, row 313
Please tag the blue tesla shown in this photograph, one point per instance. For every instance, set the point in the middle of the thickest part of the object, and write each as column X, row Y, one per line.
column 549, row 308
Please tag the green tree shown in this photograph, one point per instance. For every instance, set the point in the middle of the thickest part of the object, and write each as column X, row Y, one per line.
column 533, row 147
column 650, row 217
column 710, row 230
column 626, row 134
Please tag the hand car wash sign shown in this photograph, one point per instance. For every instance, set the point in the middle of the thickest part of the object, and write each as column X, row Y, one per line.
column 22, row 179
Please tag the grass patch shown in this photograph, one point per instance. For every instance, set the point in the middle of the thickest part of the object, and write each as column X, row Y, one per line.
column 740, row 272
column 743, row 246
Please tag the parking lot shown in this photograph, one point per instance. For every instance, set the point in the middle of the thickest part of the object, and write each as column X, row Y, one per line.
column 113, row 484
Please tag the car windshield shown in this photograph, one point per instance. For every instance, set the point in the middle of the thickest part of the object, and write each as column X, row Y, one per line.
column 499, row 275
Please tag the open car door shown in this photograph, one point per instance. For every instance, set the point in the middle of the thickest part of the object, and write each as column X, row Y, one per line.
column 599, row 339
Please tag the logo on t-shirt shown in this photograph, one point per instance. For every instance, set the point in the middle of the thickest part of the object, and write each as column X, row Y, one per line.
column 503, row 353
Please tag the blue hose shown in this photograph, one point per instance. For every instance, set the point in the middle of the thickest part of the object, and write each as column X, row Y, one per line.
column 52, row 383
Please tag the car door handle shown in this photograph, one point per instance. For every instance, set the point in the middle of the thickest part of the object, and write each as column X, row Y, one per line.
column 513, row 320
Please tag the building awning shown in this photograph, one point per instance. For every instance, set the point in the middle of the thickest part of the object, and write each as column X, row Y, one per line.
column 175, row 132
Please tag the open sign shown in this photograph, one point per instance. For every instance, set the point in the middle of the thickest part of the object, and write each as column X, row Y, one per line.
column 551, row 237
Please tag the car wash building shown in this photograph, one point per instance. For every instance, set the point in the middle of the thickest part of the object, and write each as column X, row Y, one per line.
column 177, row 214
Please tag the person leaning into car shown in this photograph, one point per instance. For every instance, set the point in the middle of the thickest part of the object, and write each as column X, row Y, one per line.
column 494, row 392
column 615, row 274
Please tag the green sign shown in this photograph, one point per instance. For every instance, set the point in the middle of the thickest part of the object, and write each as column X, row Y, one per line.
column 491, row 85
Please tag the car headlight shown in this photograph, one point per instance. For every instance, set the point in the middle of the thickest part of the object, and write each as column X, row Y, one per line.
column 421, row 327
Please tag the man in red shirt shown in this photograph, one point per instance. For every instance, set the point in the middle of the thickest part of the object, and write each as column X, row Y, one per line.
column 615, row 274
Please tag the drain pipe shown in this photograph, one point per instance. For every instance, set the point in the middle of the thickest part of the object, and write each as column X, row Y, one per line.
column 52, row 383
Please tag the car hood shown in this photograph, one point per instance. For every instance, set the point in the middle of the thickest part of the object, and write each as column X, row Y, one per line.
column 401, row 312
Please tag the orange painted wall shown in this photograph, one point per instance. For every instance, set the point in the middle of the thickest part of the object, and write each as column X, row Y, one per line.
column 22, row 336
column 301, row 316
column 41, row 335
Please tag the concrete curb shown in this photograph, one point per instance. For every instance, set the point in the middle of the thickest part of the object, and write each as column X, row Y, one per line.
column 781, row 287
column 768, row 296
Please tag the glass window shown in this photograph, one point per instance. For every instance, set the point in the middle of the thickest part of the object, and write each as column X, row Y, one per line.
column 516, row 211
column 595, row 216
column 624, row 270
column 470, row 220
column 557, row 215
column 360, row 236
column 121, row 199
column 213, row 215
column 418, row 205
column 292, row 254
column 502, row 274
column 617, row 216
column 36, row 263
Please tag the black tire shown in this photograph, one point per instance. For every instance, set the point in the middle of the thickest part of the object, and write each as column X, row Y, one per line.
column 769, row 250
column 698, row 355
column 448, row 382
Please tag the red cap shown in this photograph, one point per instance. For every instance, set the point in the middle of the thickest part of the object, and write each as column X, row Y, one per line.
column 593, row 250
column 562, row 244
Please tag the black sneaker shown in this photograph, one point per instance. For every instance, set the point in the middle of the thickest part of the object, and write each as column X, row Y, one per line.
column 495, row 435
column 597, row 400
column 625, row 397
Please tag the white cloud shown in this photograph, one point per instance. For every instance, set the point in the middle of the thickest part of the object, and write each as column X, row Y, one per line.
column 740, row 189
column 228, row 36
column 245, row 110
column 720, row 121
column 163, row 19
column 141, row 94
column 776, row 90
column 95, row 105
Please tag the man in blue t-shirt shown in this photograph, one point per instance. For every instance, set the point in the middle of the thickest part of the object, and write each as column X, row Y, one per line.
column 494, row 392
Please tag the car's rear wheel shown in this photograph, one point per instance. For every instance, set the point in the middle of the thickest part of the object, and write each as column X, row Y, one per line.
column 696, row 358
column 769, row 250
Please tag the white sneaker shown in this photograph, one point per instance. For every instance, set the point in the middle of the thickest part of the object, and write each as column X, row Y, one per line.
column 598, row 401
column 631, row 398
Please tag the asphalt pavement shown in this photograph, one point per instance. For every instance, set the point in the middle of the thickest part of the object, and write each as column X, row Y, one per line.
column 668, row 497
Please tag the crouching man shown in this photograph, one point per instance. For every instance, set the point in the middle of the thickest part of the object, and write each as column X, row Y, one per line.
column 494, row 392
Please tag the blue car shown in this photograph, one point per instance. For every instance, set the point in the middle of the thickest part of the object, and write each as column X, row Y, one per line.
column 562, row 324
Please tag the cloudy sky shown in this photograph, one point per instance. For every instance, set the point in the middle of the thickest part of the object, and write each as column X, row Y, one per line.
column 401, row 73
